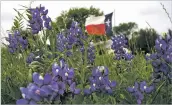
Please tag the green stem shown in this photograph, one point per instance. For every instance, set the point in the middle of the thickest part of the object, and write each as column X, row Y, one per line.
column 158, row 90
column 167, row 90
column 44, row 38
column 35, row 40
column 84, row 67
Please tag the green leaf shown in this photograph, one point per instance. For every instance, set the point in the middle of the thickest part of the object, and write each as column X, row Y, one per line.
column 24, row 6
column 95, row 98
column 157, row 92
column 29, row 16
column 30, row 75
column 78, row 99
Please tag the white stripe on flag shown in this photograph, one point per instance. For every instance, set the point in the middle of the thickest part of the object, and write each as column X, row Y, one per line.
column 95, row 20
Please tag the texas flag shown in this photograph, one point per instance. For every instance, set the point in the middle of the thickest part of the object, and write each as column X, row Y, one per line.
column 100, row 25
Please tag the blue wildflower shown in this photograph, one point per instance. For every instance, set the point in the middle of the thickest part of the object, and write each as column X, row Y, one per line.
column 99, row 81
column 138, row 89
column 15, row 41
column 50, row 87
column 30, row 58
column 145, row 88
column 73, row 88
column 162, row 58
column 120, row 44
column 39, row 19
column 91, row 53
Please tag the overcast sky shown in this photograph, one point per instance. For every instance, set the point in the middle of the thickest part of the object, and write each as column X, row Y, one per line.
column 125, row 11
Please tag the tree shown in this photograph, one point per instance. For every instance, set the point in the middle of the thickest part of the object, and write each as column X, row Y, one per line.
column 125, row 28
column 146, row 40
column 78, row 14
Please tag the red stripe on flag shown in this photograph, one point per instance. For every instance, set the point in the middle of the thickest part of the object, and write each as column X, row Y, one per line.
column 98, row 29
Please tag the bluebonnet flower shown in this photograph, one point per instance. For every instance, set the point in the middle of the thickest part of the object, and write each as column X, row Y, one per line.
column 120, row 45
column 62, row 88
column 128, row 55
column 37, row 91
column 91, row 53
column 99, row 81
column 24, row 42
column 139, row 89
column 119, row 42
column 87, row 91
column 139, row 96
column 15, row 41
column 75, row 29
column 73, row 88
column 47, row 22
column 82, row 49
column 134, row 88
column 75, row 34
column 163, row 47
column 51, row 86
column 162, row 58
column 68, row 53
column 61, row 42
column 64, row 75
column 39, row 19
column 30, row 58
column 160, row 45
column 17, row 34
column 145, row 88
column 58, row 87
column 63, row 71
column 72, row 37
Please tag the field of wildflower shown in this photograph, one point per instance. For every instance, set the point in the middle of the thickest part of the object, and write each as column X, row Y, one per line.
column 71, row 69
